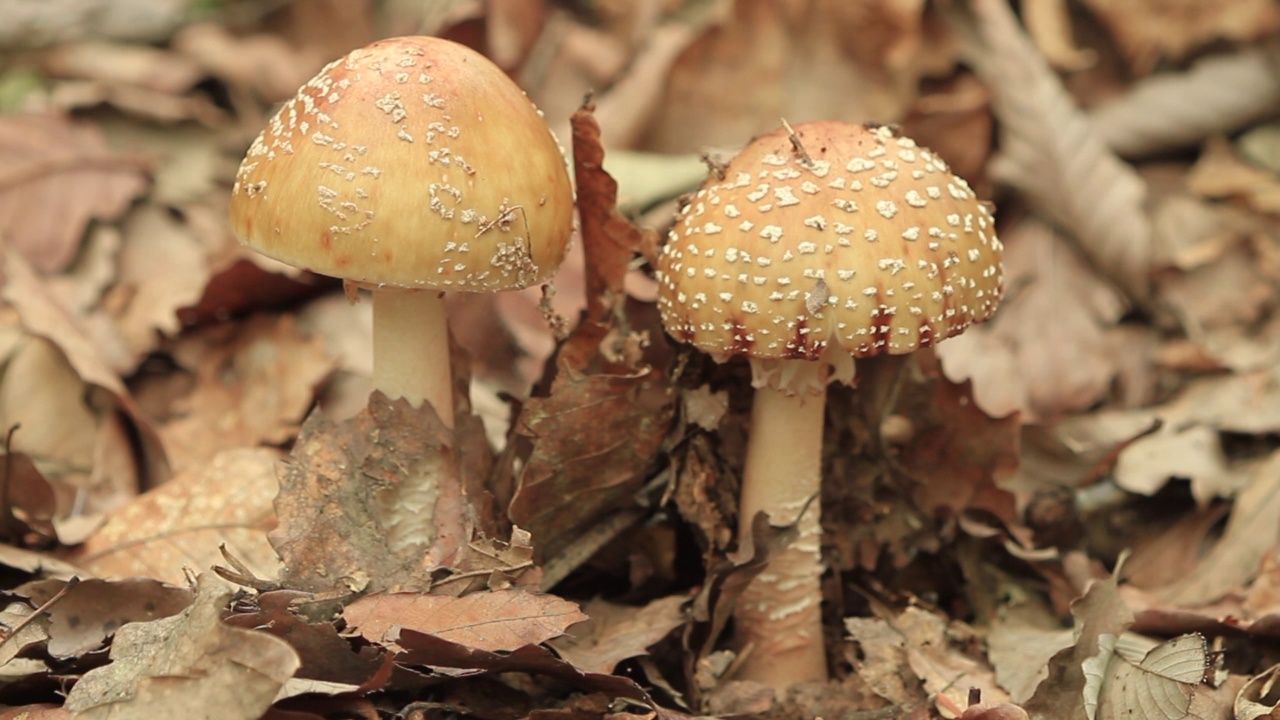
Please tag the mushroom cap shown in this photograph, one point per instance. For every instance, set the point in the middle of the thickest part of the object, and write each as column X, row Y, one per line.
column 862, row 242
column 413, row 162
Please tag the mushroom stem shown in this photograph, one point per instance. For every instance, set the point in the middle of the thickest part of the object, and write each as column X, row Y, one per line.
column 411, row 349
column 779, row 615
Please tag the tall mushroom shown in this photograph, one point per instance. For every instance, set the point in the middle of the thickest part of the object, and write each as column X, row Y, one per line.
column 410, row 167
column 820, row 244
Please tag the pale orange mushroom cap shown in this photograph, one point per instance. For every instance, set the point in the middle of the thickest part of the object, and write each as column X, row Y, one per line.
column 413, row 162
column 864, row 244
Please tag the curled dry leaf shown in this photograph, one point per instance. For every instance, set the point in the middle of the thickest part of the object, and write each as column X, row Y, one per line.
column 1099, row 613
column 597, row 434
column 1050, row 151
column 184, row 665
column 1150, row 30
column 58, row 176
column 180, row 525
column 43, row 315
column 1020, row 363
column 1171, row 110
column 326, row 656
column 495, row 621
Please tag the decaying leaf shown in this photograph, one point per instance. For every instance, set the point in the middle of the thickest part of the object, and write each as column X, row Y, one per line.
column 496, row 621
column 59, row 176
column 1062, row 694
column 326, row 656
column 184, row 665
column 333, row 529
column 180, row 526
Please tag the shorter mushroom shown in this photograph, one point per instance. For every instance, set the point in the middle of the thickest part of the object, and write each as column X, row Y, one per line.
column 410, row 167
column 818, row 245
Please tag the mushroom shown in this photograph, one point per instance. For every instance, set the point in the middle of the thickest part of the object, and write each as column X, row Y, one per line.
column 411, row 167
column 817, row 245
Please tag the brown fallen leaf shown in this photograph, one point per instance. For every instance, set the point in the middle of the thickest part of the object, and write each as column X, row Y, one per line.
column 495, row 621
column 597, row 433
column 58, row 176
column 1101, row 613
column 333, row 530
column 1017, row 362
column 1150, row 30
column 92, row 610
column 1052, row 154
column 458, row 660
column 616, row 632
column 326, row 656
column 803, row 61
column 253, row 383
column 186, row 664
column 43, row 315
column 37, row 712
column 181, row 524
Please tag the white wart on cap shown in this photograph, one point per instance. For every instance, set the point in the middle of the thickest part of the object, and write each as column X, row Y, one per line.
column 413, row 162
column 859, row 241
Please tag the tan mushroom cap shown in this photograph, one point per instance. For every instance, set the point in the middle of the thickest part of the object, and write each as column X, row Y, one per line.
column 412, row 162
column 865, row 243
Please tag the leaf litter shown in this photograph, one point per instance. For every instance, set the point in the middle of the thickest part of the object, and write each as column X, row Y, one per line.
column 1005, row 518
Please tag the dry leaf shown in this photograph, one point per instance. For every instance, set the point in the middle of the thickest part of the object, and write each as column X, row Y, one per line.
column 1050, row 152
column 1171, row 110
column 57, row 177
column 334, row 528
column 42, row 315
column 799, row 60
column 93, row 610
column 1150, row 30
column 326, row 656
column 495, row 621
column 185, row 665
column 615, row 632
column 1099, row 612
column 181, row 524
column 253, row 383
column 1237, row 556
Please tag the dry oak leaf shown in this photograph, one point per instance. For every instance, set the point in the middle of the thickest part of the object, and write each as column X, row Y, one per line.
column 58, row 176
column 180, row 525
column 191, row 665
column 494, row 621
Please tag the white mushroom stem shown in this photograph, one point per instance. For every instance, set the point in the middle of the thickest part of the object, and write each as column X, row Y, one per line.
column 411, row 349
column 778, row 619
column 411, row 361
